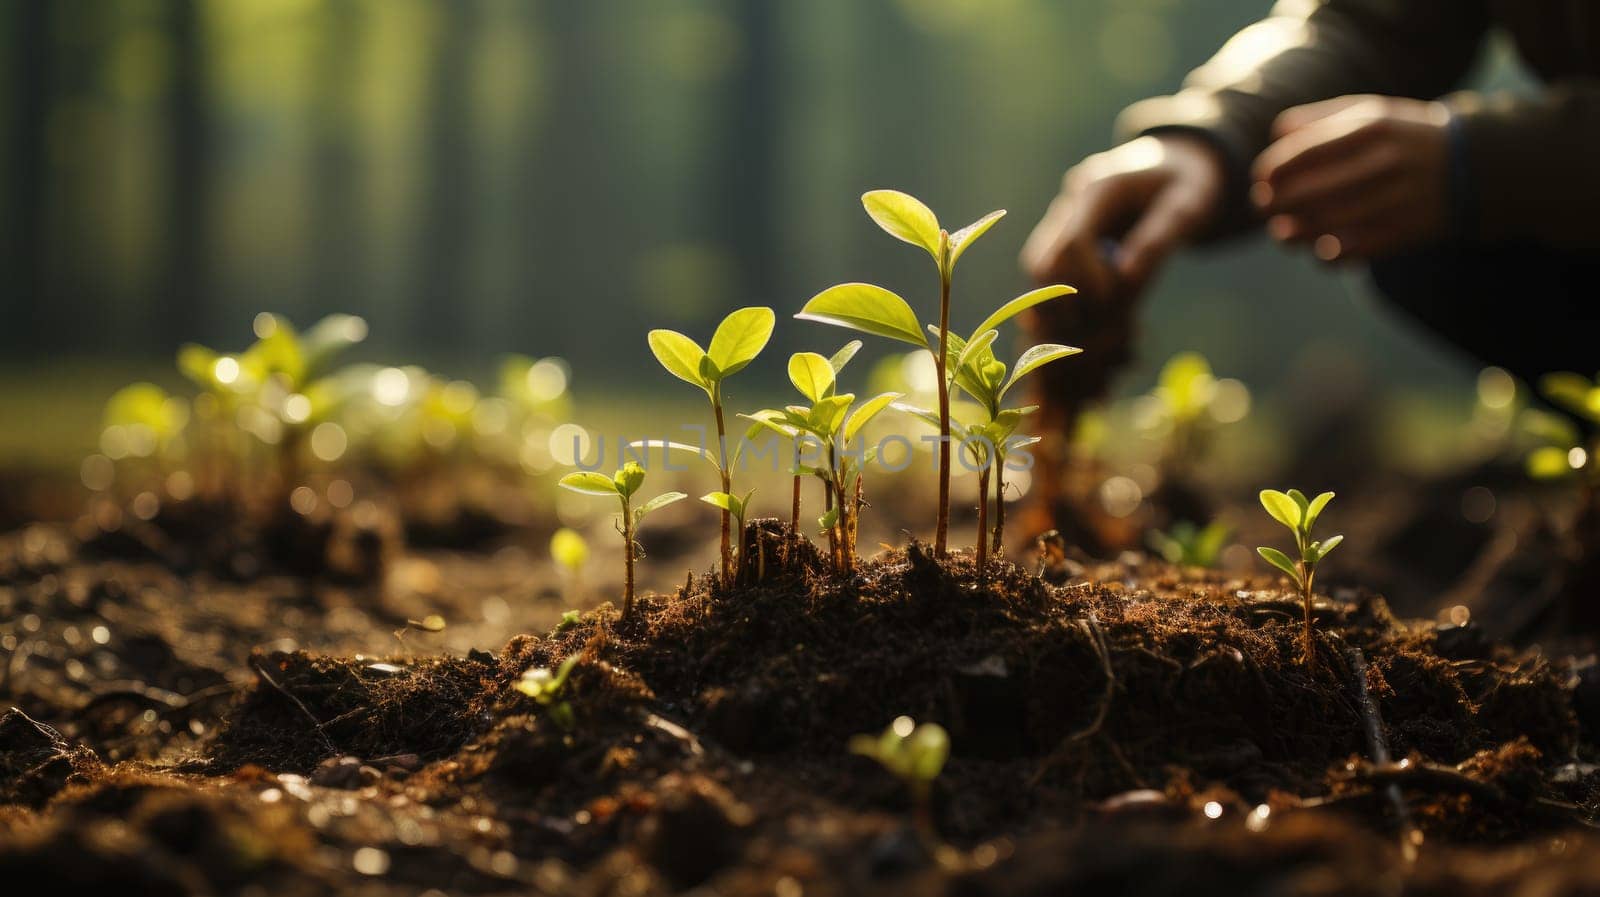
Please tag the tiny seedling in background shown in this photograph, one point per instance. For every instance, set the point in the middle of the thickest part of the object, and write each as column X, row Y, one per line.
column 622, row 486
column 915, row 755
column 1564, row 453
column 548, row 690
column 875, row 310
column 832, row 421
column 1188, row 545
column 737, row 341
column 1187, row 405
column 570, row 552
column 1294, row 511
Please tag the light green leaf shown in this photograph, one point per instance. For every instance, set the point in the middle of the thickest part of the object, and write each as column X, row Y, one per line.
column 1321, row 549
column 961, row 239
column 660, row 501
column 726, row 502
column 590, row 482
column 1314, row 509
column 740, row 338
column 843, row 356
column 1282, row 508
column 679, row 354
column 921, row 414
column 1300, row 499
column 1020, row 304
column 827, row 521
column 277, row 353
column 866, row 412
column 679, row 447
column 1572, row 392
column 1549, row 463
column 199, row 364
column 867, row 308
column 829, row 412
column 569, row 549
column 976, row 348
column 811, row 374
column 928, row 747
column 629, row 479
column 904, row 217
column 330, row 337
column 1035, row 358
column 769, row 420
column 1280, row 560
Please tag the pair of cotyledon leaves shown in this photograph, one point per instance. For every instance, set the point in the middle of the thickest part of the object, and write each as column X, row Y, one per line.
column 1299, row 514
column 622, row 485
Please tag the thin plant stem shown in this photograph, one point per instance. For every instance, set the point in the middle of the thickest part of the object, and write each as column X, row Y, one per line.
column 727, row 487
column 941, row 533
column 1307, row 576
column 999, row 504
column 628, row 555
column 983, row 521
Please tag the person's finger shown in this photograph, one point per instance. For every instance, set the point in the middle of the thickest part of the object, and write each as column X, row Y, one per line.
column 1040, row 252
column 1337, row 137
column 1297, row 117
column 1064, row 248
column 1171, row 218
column 1317, row 185
column 1380, row 199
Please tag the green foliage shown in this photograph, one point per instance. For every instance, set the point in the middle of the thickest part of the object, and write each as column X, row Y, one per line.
column 1563, row 453
column 880, row 312
column 737, row 341
column 622, row 486
column 549, row 690
column 1186, row 406
column 569, row 549
column 833, row 421
column 915, row 754
column 1299, row 515
column 1189, row 545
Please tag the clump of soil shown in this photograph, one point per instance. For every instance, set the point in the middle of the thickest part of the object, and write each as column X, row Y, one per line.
column 1115, row 728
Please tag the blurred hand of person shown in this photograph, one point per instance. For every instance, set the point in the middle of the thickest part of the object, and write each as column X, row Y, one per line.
column 1356, row 177
column 1153, row 194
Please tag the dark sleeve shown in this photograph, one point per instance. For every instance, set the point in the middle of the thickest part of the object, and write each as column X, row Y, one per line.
column 1310, row 50
column 1534, row 163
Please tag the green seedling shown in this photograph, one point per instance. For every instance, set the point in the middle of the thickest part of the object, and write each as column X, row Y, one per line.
column 832, row 421
column 875, row 310
column 622, row 486
column 915, row 755
column 1565, row 454
column 143, row 426
column 1293, row 510
column 548, row 690
column 1188, row 545
column 991, row 440
column 1187, row 405
column 737, row 341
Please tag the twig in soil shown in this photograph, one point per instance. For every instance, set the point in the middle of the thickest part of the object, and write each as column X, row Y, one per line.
column 1097, row 638
column 317, row 724
column 1378, row 747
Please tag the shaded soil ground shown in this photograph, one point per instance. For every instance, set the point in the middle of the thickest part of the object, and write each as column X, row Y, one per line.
column 1116, row 728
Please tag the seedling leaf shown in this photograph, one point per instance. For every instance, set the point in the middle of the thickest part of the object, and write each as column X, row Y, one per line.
column 905, row 217
column 589, row 482
column 811, row 374
column 740, row 338
column 660, row 501
column 1321, row 549
column 866, row 412
column 1022, row 303
column 1280, row 560
column 1282, row 508
column 730, row 503
column 680, row 355
column 1035, row 358
column 843, row 356
column 1314, row 510
column 961, row 239
column 867, row 308
column 976, row 348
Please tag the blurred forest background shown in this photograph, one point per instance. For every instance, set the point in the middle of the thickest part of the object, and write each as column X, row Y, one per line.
column 555, row 176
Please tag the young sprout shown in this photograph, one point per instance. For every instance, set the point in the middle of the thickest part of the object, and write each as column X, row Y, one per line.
column 570, row 551
column 1188, row 545
column 1564, row 453
column 143, row 425
column 831, row 421
column 622, row 486
column 1294, row 511
column 1187, row 405
column 737, row 341
column 992, row 439
column 875, row 310
column 915, row 755
column 548, row 690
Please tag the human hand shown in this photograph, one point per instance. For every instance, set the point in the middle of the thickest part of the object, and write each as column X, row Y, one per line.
column 1356, row 177
column 1153, row 193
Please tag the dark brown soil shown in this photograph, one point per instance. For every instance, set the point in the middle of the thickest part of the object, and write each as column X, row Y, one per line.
column 1115, row 729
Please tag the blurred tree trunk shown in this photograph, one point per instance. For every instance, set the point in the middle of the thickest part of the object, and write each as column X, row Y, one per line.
column 28, row 225
column 337, row 227
column 444, row 239
column 187, row 311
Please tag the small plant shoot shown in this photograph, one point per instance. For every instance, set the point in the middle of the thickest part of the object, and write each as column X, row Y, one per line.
column 1299, row 515
column 1189, row 545
column 875, row 310
column 1565, row 454
column 548, row 689
column 830, row 422
column 736, row 342
column 622, row 485
column 916, row 755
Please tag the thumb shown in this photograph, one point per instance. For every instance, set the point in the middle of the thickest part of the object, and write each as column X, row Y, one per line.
column 1297, row 117
column 1170, row 219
